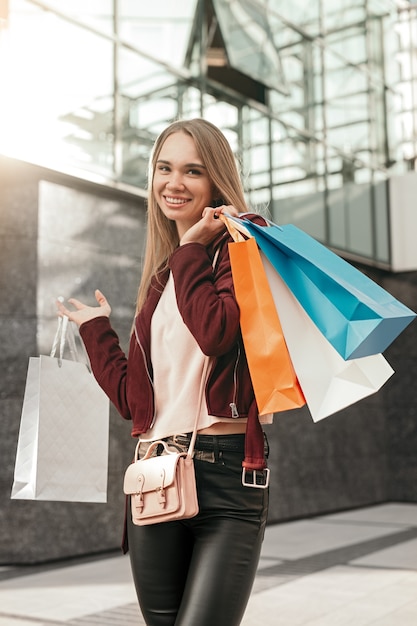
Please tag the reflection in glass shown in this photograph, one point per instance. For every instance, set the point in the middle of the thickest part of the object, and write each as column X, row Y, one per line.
column 315, row 98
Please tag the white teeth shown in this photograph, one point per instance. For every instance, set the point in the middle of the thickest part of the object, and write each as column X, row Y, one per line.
column 175, row 200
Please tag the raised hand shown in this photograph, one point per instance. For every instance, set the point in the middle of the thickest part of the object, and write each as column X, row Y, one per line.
column 83, row 312
column 208, row 227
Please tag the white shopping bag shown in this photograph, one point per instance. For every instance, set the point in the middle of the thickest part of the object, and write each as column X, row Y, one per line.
column 329, row 383
column 62, row 452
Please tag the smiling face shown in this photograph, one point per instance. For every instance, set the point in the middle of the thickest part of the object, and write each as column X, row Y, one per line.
column 181, row 184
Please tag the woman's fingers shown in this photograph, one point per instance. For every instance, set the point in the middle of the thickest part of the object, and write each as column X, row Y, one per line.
column 82, row 312
column 231, row 210
column 62, row 310
column 224, row 208
column 209, row 212
column 100, row 297
column 77, row 303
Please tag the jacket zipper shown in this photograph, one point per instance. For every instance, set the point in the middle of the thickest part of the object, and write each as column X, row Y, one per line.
column 233, row 407
column 147, row 373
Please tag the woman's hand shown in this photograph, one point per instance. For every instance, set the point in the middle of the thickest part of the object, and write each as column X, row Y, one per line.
column 208, row 227
column 84, row 313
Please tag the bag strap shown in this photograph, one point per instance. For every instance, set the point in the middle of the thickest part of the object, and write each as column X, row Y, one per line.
column 200, row 404
column 59, row 339
column 202, row 383
column 190, row 450
column 64, row 333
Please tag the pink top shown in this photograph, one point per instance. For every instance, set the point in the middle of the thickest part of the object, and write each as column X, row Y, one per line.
column 177, row 387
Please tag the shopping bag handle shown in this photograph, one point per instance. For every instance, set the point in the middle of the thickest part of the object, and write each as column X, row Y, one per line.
column 269, row 222
column 240, row 223
column 60, row 338
column 235, row 233
column 64, row 332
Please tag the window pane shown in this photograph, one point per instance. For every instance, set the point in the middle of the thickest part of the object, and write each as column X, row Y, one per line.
column 60, row 106
column 161, row 28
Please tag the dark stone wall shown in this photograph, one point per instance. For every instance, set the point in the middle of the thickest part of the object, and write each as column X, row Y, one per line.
column 400, row 400
column 63, row 236
column 60, row 237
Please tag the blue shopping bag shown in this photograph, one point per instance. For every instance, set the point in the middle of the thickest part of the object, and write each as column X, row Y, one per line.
column 355, row 314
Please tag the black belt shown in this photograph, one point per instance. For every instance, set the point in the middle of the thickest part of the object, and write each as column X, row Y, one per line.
column 227, row 443
column 209, row 443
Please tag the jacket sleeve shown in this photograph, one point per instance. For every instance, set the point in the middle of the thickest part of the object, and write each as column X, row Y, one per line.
column 205, row 297
column 108, row 361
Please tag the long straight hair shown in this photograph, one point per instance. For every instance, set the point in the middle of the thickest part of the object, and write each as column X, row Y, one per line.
column 217, row 156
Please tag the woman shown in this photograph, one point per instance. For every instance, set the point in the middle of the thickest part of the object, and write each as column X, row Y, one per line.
column 200, row 571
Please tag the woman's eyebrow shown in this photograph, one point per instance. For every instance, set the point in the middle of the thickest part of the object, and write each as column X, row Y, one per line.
column 185, row 165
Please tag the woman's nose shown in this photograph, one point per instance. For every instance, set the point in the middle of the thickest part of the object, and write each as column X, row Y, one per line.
column 175, row 181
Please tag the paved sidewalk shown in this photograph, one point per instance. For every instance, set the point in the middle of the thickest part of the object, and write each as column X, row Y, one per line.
column 354, row 568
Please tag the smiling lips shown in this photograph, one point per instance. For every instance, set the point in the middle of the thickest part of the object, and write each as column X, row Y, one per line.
column 171, row 200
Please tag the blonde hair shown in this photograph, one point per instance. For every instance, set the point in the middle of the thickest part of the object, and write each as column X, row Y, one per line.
column 218, row 157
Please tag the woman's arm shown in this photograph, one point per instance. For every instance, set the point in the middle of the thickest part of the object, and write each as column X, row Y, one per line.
column 205, row 297
column 108, row 361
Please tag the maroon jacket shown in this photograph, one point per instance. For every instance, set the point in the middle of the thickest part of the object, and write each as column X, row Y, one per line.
column 206, row 302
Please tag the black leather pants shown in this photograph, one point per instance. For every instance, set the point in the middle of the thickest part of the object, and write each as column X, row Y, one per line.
column 200, row 572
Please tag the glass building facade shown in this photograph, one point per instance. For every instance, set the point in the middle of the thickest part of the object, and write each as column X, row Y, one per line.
column 318, row 99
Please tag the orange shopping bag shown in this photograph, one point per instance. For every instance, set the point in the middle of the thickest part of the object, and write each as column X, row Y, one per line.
column 273, row 377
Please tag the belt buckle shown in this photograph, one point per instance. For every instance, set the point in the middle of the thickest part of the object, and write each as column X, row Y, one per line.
column 254, row 473
column 183, row 436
